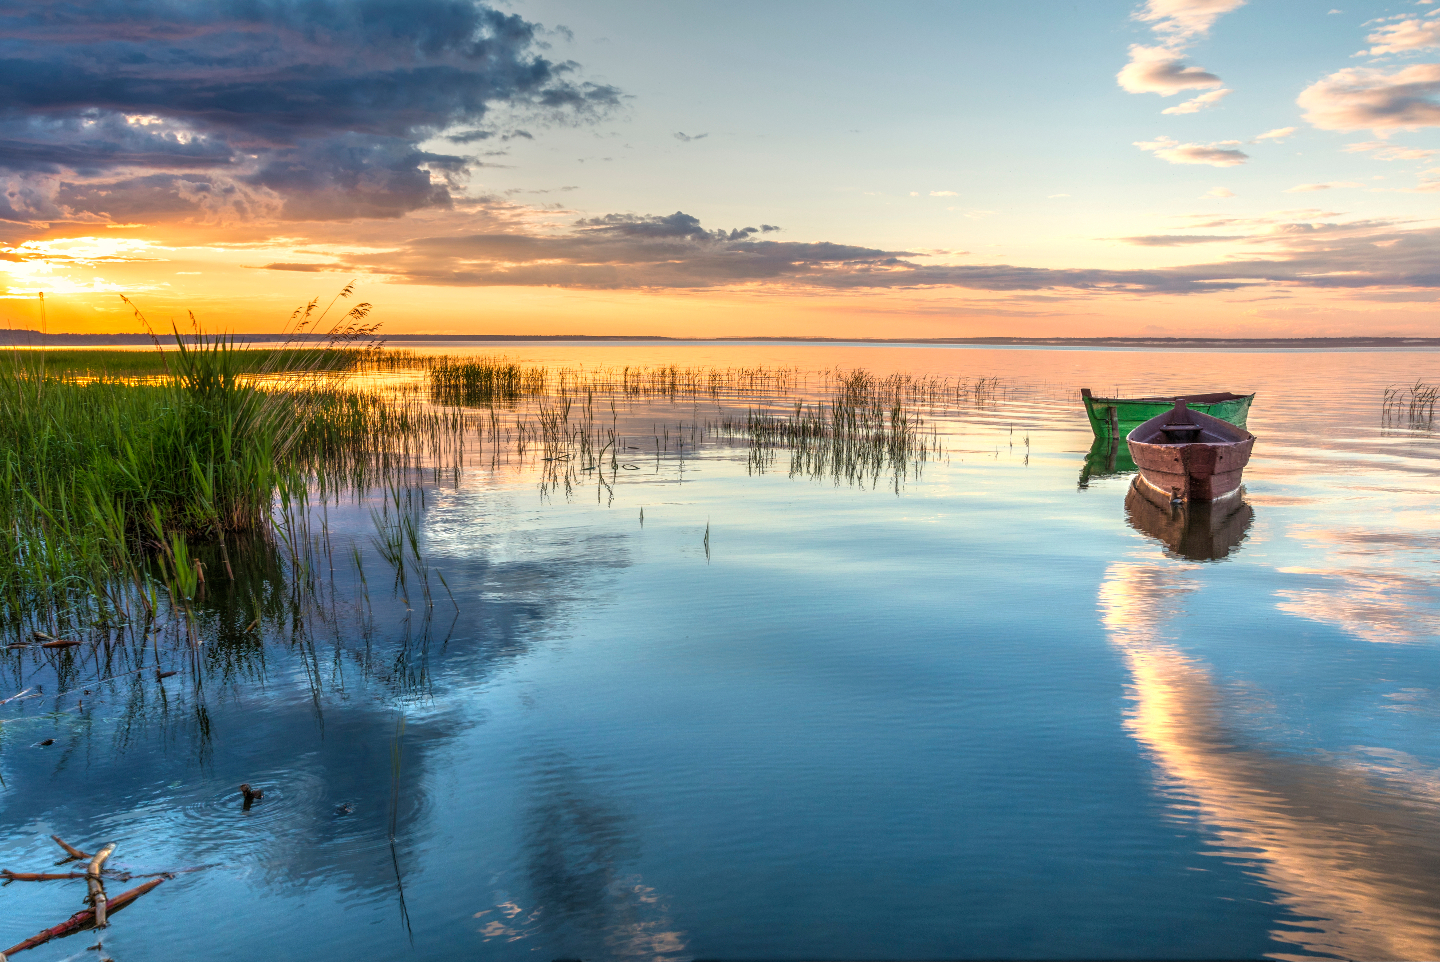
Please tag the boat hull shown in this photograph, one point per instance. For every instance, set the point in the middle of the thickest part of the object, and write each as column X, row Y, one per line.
column 1202, row 470
column 1117, row 417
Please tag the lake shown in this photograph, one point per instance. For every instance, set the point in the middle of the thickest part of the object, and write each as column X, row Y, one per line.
column 710, row 703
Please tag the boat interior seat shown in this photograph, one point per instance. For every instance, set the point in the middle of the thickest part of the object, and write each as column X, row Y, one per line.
column 1190, row 434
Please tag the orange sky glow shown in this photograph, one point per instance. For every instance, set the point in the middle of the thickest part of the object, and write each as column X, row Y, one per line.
column 589, row 178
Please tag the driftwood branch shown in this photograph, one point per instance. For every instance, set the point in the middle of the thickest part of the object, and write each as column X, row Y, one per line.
column 80, row 920
column 9, row 876
column 97, row 886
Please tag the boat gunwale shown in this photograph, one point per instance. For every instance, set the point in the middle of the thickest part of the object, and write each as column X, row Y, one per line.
column 1217, row 398
column 1224, row 426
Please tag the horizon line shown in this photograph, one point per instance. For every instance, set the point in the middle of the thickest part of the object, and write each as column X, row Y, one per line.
column 26, row 337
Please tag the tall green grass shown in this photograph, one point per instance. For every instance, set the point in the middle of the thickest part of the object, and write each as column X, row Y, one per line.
column 106, row 482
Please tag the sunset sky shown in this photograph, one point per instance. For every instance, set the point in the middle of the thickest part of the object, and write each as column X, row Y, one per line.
column 939, row 169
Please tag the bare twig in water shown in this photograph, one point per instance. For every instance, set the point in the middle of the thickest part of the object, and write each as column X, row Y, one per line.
column 75, row 854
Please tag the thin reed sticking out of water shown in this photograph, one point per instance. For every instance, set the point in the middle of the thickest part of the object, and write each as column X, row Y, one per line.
column 1411, row 406
column 842, row 424
column 498, row 380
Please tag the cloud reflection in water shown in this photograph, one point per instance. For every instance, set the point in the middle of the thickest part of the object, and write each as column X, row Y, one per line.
column 1349, row 848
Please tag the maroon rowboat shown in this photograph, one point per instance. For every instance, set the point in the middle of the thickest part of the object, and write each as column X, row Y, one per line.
column 1189, row 456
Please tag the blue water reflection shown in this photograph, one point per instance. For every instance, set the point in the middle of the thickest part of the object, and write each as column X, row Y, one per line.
column 995, row 714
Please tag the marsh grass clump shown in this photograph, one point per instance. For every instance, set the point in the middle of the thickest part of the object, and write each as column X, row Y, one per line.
column 107, row 482
column 845, row 424
column 861, row 388
column 859, row 443
column 1411, row 406
column 485, row 381
column 489, row 380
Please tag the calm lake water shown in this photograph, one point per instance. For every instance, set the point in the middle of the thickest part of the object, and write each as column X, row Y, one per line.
column 992, row 709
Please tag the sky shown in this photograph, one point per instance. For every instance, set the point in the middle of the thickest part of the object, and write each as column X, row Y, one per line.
column 1235, row 168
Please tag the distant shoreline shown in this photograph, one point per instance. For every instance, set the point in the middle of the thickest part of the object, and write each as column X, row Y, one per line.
column 18, row 337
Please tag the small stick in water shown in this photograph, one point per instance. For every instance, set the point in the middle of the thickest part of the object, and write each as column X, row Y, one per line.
column 71, row 850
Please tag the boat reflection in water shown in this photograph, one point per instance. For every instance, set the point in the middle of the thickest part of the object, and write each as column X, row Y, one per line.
column 1351, row 849
column 1107, row 458
column 1193, row 530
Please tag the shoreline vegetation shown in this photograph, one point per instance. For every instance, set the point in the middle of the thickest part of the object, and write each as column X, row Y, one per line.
column 109, row 479
column 132, row 476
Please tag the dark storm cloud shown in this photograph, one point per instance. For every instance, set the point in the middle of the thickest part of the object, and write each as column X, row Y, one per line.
column 678, row 252
column 316, row 107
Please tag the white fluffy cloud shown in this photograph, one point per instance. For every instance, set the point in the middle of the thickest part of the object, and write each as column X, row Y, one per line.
column 1162, row 70
column 1221, row 154
column 1199, row 103
column 1405, row 36
column 1361, row 97
column 1185, row 19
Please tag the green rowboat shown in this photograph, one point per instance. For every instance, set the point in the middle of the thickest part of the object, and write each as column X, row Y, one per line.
column 1112, row 418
